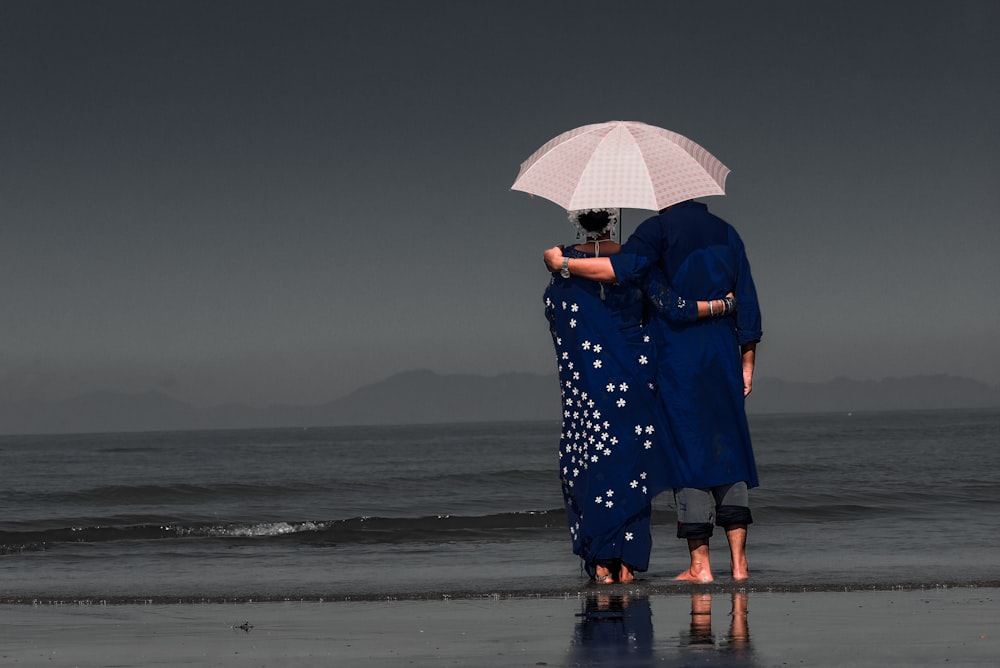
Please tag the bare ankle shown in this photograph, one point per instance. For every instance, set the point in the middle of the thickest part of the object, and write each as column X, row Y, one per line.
column 700, row 577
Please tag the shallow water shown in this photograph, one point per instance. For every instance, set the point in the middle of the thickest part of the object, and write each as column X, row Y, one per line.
column 878, row 500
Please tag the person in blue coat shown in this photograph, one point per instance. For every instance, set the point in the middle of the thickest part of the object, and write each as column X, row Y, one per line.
column 705, row 370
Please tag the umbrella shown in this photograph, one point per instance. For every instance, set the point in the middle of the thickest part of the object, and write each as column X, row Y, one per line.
column 621, row 164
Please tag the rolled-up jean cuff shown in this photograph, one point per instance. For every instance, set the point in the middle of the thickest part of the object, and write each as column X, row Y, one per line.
column 691, row 530
column 729, row 515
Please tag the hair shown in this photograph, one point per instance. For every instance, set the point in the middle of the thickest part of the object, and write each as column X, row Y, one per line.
column 593, row 223
column 595, row 220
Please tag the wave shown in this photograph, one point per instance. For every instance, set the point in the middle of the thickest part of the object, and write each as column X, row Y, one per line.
column 188, row 493
column 150, row 494
column 423, row 529
column 357, row 530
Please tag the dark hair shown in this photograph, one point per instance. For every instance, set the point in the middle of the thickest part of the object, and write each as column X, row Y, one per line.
column 594, row 221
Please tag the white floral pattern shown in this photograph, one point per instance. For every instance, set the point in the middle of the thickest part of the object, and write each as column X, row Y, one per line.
column 605, row 438
column 583, row 422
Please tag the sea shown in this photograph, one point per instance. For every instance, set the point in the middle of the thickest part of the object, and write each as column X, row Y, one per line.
column 848, row 501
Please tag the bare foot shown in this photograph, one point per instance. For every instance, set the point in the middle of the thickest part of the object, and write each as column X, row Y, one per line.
column 602, row 575
column 700, row 569
column 696, row 575
column 626, row 574
column 741, row 570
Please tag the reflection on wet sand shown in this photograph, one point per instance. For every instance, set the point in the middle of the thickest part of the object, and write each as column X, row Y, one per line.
column 736, row 644
column 617, row 629
column 613, row 630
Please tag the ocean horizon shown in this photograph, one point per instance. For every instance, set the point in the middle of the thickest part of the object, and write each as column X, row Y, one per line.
column 426, row 397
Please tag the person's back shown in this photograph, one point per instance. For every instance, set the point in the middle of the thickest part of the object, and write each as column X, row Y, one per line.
column 609, row 473
column 700, row 254
column 700, row 367
column 695, row 247
column 704, row 375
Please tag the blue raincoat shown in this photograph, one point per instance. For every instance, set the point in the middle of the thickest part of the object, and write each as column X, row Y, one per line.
column 700, row 374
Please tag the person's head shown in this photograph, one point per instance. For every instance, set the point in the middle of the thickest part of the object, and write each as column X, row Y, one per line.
column 594, row 222
column 668, row 208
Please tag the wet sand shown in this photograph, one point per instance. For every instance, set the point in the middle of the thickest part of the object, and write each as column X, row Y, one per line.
column 609, row 626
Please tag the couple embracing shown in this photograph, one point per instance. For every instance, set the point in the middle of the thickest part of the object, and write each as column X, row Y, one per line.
column 653, row 384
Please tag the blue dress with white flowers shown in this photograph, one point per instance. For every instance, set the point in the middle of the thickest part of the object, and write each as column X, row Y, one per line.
column 612, row 457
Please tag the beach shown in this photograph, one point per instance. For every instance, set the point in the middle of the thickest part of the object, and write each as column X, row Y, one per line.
column 613, row 625
column 447, row 545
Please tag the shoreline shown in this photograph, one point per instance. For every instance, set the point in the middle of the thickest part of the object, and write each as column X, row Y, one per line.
column 711, row 625
column 639, row 588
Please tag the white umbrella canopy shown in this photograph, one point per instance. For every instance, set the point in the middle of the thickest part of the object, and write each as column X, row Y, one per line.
column 624, row 164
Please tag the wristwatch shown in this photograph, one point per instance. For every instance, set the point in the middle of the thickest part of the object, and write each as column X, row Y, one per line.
column 564, row 272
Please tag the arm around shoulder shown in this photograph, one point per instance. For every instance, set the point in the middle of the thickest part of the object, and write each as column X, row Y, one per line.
column 553, row 258
column 594, row 268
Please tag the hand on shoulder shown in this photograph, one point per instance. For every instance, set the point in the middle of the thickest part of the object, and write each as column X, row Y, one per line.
column 553, row 258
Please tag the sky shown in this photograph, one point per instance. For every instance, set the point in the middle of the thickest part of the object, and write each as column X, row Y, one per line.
column 279, row 202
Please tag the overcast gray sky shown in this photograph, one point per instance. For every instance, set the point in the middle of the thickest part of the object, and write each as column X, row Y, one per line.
column 281, row 201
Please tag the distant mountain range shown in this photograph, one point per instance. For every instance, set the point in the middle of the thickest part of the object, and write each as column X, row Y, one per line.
column 415, row 397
